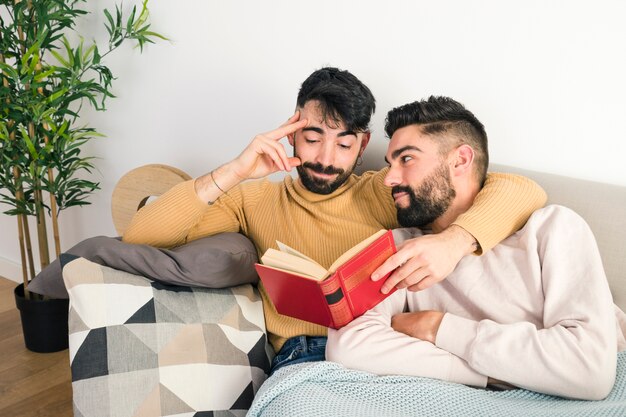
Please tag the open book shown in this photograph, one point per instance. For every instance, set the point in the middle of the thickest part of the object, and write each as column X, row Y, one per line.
column 300, row 287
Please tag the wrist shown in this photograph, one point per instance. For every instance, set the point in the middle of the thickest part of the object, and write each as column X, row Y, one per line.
column 423, row 325
column 212, row 185
column 463, row 239
column 436, row 319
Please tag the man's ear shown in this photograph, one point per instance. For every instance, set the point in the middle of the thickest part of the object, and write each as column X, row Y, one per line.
column 291, row 138
column 364, row 141
column 463, row 159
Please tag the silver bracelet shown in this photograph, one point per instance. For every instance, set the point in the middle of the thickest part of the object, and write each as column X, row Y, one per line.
column 215, row 182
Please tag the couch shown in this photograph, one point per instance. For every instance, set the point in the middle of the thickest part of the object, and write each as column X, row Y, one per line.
column 140, row 347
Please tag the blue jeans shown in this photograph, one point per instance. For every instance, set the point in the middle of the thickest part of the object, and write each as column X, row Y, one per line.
column 300, row 349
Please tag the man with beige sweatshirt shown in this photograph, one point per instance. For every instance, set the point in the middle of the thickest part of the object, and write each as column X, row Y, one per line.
column 534, row 312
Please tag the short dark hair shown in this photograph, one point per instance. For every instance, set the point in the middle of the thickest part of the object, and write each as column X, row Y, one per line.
column 342, row 97
column 439, row 115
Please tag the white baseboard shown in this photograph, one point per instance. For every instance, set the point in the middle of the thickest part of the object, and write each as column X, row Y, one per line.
column 10, row 270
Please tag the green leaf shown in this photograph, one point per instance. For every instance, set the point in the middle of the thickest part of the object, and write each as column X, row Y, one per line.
column 9, row 71
column 78, row 56
column 143, row 16
column 55, row 96
column 157, row 35
column 29, row 143
column 60, row 58
column 31, row 54
column 131, row 20
column 45, row 74
column 89, row 52
column 69, row 52
column 96, row 56
column 111, row 24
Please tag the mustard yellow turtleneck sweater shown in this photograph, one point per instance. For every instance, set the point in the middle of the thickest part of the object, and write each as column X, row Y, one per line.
column 320, row 226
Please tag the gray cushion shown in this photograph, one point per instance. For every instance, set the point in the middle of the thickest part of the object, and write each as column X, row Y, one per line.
column 218, row 261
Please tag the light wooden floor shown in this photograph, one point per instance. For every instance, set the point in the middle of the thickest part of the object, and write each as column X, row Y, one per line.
column 31, row 384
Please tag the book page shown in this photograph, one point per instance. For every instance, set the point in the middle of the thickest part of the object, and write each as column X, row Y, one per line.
column 354, row 250
column 284, row 248
column 301, row 265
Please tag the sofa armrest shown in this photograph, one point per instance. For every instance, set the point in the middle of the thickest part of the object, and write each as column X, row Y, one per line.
column 602, row 207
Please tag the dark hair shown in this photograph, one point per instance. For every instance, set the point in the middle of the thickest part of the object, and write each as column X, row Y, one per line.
column 442, row 115
column 342, row 97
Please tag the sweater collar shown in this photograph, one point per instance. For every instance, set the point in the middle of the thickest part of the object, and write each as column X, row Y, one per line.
column 296, row 186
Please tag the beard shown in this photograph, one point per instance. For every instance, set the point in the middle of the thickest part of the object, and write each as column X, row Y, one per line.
column 429, row 201
column 319, row 185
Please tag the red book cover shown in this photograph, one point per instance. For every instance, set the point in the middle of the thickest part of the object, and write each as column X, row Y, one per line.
column 338, row 299
column 363, row 293
column 295, row 296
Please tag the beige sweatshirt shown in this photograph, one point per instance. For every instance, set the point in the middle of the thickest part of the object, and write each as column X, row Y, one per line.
column 320, row 226
column 536, row 312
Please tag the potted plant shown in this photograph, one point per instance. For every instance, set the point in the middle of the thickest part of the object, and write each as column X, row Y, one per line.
column 48, row 72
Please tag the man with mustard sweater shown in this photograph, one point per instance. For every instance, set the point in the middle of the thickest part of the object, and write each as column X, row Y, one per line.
column 534, row 312
column 327, row 209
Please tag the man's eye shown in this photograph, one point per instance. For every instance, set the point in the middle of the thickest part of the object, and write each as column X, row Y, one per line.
column 311, row 140
column 406, row 158
column 342, row 146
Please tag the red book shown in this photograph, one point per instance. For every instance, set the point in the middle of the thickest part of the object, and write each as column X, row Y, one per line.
column 299, row 287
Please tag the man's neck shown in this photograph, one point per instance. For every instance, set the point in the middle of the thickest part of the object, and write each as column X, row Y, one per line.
column 465, row 194
column 309, row 195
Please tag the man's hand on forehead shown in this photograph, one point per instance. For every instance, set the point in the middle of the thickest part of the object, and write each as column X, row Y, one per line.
column 262, row 157
column 265, row 154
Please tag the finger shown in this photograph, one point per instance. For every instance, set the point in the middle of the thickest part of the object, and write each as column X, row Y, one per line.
column 283, row 155
column 294, row 161
column 273, row 152
column 392, row 281
column 393, row 262
column 412, row 278
column 427, row 282
column 292, row 119
column 407, row 274
column 279, row 151
column 283, row 131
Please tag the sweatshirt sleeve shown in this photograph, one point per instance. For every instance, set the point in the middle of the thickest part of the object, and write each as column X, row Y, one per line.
column 501, row 208
column 370, row 344
column 574, row 353
column 179, row 216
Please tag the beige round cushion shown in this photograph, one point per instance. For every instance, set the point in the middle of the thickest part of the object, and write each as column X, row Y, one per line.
column 134, row 189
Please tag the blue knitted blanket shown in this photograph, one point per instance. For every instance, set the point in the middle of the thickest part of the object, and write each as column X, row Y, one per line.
column 327, row 389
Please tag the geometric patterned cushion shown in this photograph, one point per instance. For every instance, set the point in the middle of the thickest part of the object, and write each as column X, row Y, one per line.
column 140, row 348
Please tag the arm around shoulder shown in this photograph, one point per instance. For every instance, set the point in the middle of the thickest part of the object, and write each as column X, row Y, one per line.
column 504, row 204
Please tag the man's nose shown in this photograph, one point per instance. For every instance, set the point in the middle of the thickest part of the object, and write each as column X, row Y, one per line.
column 393, row 177
column 326, row 155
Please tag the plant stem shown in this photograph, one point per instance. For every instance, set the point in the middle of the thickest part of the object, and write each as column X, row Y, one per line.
column 24, row 231
column 53, row 200
column 42, row 232
column 53, row 209
column 22, row 219
column 20, row 237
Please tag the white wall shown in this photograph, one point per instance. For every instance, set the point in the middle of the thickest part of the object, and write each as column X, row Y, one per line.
column 545, row 77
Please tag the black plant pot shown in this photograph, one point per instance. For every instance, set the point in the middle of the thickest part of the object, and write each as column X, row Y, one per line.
column 44, row 322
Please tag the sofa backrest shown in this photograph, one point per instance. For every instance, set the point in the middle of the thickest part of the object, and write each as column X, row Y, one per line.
column 603, row 206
